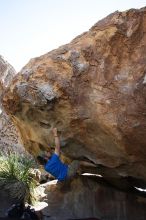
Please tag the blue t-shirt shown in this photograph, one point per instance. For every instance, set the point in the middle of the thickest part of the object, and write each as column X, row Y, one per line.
column 56, row 168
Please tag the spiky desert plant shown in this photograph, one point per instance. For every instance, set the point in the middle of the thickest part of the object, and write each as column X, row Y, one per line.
column 15, row 176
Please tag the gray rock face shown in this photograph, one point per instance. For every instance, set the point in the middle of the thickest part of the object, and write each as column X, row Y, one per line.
column 10, row 139
column 7, row 72
column 9, row 135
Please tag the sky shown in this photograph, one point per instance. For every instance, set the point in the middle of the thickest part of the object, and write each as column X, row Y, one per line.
column 30, row 28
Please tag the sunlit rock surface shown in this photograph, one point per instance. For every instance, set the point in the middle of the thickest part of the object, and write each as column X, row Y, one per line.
column 94, row 91
column 9, row 135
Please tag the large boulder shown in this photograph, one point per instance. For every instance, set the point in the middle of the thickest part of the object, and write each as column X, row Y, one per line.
column 10, row 139
column 94, row 91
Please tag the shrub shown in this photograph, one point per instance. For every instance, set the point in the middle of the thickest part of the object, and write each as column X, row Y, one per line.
column 15, row 176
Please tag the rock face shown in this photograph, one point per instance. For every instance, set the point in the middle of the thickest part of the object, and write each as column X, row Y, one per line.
column 84, row 199
column 5, row 203
column 7, row 72
column 9, row 136
column 94, row 91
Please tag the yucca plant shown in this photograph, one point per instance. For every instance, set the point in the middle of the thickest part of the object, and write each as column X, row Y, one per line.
column 15, row 176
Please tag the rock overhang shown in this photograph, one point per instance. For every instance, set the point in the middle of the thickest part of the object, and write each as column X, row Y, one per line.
column 93, row 90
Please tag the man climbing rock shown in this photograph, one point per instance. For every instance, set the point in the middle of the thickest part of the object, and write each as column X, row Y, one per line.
column 55, row 166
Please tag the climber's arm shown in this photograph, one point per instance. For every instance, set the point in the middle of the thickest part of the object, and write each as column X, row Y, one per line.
column 57, row 142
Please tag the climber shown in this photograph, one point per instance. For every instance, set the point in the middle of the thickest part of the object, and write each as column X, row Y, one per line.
column 53, row 165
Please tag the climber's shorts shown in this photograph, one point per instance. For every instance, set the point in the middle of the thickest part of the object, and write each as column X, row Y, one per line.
column 72, row 168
